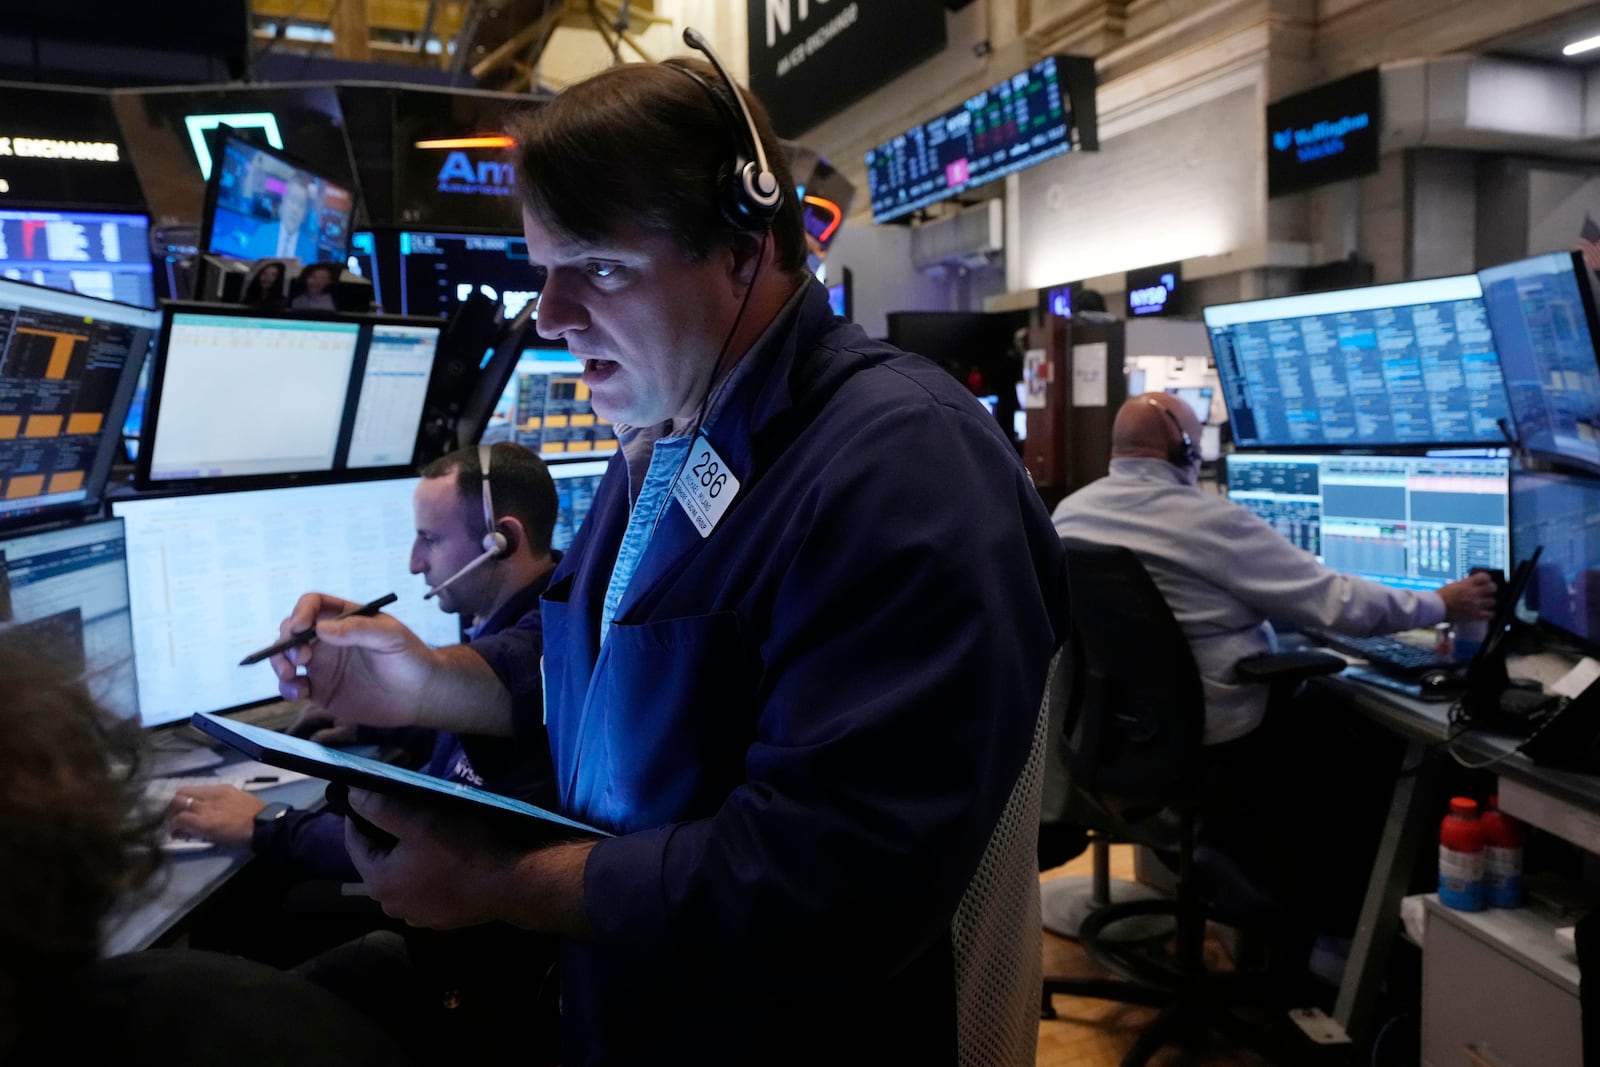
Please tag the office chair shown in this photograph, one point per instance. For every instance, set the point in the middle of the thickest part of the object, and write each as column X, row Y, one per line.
column 1129, row 746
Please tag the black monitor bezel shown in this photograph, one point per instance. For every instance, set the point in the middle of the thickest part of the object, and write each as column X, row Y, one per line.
column 1354, row 447
column 110, row 443
column 227, row 134
column 150, row 425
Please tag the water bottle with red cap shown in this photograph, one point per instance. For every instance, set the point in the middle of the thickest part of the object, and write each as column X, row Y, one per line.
column 1461, row 856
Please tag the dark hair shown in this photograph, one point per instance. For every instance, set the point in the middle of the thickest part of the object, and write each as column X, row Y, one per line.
column 642, row 143
column 72, row 841
column 519, row 483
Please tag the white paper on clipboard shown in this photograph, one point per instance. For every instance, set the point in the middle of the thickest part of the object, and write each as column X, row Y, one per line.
column 1089, row 375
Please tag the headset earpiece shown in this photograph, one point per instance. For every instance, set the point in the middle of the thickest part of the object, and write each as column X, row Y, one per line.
column 749, row 195
column 1181, row 453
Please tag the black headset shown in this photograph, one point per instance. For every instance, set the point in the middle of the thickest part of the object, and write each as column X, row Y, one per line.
column 749, row 194
column 498, row 539
column 1181, row 453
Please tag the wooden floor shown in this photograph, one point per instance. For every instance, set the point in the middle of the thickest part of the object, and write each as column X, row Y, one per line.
column 1096, row 1033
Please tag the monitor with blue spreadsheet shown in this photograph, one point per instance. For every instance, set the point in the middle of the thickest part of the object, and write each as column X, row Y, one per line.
column 546, row 407
column 576, row 484
column 69, row 588
column 325, row 394
column 1415, row 522
column 1561, row 513
column 1388, row 366
column 1542, row 311
column 68, row 365
column 95, row 253
column 211, row 575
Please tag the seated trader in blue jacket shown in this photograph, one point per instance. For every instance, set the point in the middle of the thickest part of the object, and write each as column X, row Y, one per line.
column 794, row 657
column 1223, row 570
column 499, row 596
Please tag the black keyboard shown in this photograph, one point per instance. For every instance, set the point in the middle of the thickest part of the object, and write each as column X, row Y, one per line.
column 1391, row 655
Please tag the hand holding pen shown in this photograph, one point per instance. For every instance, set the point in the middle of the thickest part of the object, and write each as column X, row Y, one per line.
column 308, row 635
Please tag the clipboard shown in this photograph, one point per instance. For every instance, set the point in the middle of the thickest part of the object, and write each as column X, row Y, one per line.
column 360, row 772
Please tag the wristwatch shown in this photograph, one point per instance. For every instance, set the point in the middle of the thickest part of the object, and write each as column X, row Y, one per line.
column 270, row 814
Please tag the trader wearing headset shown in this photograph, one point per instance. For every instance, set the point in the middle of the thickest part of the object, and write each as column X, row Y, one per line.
column 793, row 659
column 1223, row 570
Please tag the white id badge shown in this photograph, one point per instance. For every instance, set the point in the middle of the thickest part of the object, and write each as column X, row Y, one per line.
column 706, row 487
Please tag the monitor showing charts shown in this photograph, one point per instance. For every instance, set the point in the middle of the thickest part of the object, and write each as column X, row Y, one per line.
column 576, row 484
column 1387, row 366
column 67, row 589
column 438, row 270
column 1561, row 514
column 241, row 395
column 264, row 205
column 68, row 364
column 546, row 407
column 1542, row 311
column 90, row 252
column 211, row 576
column 1415, row 522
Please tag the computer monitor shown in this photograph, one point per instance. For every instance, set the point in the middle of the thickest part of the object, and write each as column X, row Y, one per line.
column 546, row 407
column 438, row 270
column 1388, row 366
column 362, row 260
column 69, row 586
column 1561, row 513
column 238, row 395
column 96, row 253
column 1414, row 522
column 1542, row 311
column 1198, row 397
column 263, row 204
column 211, row 576
column 576, row 484
column 68, row 364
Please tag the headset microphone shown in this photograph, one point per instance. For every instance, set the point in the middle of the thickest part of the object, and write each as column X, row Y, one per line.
column 496, row 542
column 1181, row 453
column 751, row 197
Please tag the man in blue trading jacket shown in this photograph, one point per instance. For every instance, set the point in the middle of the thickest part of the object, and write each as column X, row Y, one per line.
column 793, row 659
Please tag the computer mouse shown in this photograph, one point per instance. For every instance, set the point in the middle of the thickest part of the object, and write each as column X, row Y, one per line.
column 1438, row 681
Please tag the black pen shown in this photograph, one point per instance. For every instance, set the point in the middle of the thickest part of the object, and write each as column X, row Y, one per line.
column 305, row 637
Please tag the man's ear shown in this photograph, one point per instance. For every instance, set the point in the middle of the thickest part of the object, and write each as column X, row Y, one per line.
column 745, row 254
column 516, row 533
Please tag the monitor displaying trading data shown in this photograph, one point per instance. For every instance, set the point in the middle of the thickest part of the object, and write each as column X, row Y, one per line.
column 1561, row 512
column 68, row 364
column 1542, row 311
column 1415, row 522
column 239, row 395
column 90, row 252
column 68, row 589
column 576, row 484
column 264, row 206
column 362, row 261
column 438, row 270
column 211, row 575
column 1387, row 366
column 546, row 407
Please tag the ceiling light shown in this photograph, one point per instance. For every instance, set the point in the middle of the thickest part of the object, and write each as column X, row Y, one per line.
column 1584, row 45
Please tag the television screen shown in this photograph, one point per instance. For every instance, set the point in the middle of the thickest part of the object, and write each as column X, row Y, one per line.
column 1024, row 120
column 69, row 587
column 1561, row 512
column 576, row 484
column 1325, row 134
column 326, row 393
column 1387, row 366
column 1415, row 522
column 263, row 206
column 438, row 270
column 68, row 364
column 1542, row 312
column 546, row 407
column 211, row 575
column 89, row 252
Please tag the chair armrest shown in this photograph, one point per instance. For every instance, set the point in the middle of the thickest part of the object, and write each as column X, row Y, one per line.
column 1289, row 666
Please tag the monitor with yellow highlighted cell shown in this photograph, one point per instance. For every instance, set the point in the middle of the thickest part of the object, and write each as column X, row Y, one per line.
column 546, row 406
column 68, row 364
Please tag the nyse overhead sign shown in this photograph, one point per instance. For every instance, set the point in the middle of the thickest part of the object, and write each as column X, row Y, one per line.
column 812, row 58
